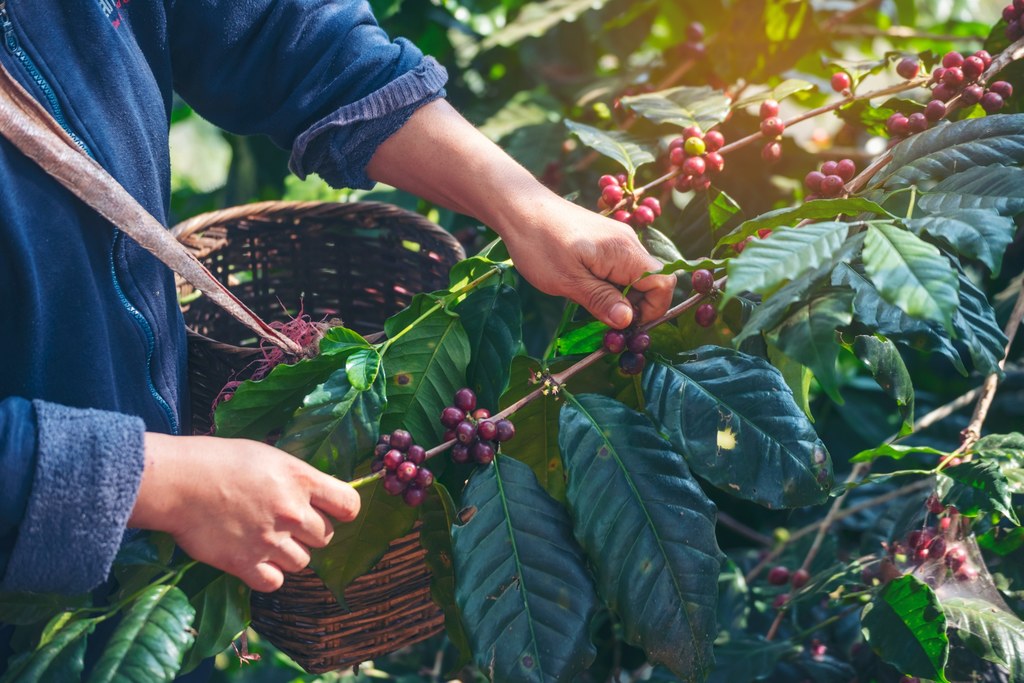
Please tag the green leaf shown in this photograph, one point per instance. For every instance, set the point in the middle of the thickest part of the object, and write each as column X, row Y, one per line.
column 993, row 634
column 975, row 326
column 682, row 106
column 493, row 322
column 721, row 210
column 336, row 425
column 735, row 420
column 894, row 451
column 883, row 359
column 151, row 639
column 784, row 255
column 659, row 245
column 359, row 544
column 979, row 487
column 536, row 442
column 625, row 149
column 585, row 339
column 785, row 89
column 904, row 624
column 258, row 408
column 341, row 340
column 21, row 609
column 362, row 367
column 808, row 334
column 798, row 378
column 522, row 584
column 534, row 20
column 994, row 188
column 1005, row 449
column 910, row 273
column 222, row 612
column 424, row 369
column 62, row 658
column 648, row 530
column 690, row 265
column 437, row 517
column 976, row 234
column 748, row 658
column 813, row 210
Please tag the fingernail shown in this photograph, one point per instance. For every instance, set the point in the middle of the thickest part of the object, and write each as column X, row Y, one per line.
column 620, row 315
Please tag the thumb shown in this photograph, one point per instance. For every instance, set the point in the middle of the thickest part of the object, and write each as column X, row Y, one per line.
column 335, row 498
column 606, row 303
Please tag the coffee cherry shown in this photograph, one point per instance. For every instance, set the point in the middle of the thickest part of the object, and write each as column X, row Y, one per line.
column 917, row 122
column 683, row 183
column 832, row 186
column 424, row 478
column 460, row 453
column 985, row 57
column 677, row 156
column 612, row 195
column 908, row 67
column 1009, row 14
column 952, row 60
column 935, row 110
column 449, row 434
column 829, row 167
column 416, row 454
column 943, row 93
column 763, row 233
column 653, row 204
column 1002, row 88
column 715, row 162
column 482, row 452
column 695, row 32
column 972, row 94
column 778, row 576
column 917, row 538
column 937, row 547
column 841, row 81
column 452, row 416
column 700, row 183
column 705, row 315
column 898, row 125
column 694, row 166
column 393, row 485
column 956, row 557
column 481, row 414
column 714, row 141
column 614, row 341
column 954, row 77
column 380, row 449
column 780, row 600
column 772, row 127
column 506, row 430
column 1014, row 31
column 465, row 399
column 376, row 466
column 392, row 459
column 414, row 496
column 639, row 342
column 934, row 505
column 938, row 73
column 692, row 132
column 465, row 432
column 702, row 281
column 966, row 573
column 991, row 102
column 622, row 216
column 800, row 578
column 846, row 169
column 406, row 472
column 769, row 109
column 487, row 430
column 401, row 439
column 813, row 181
column 740, row 246
column 973, row 68
column 921, row 554
column 606, row 180
column 772, row 152
column 632, row 363
column 694, row 147
column 643, row 216
column 945, row 523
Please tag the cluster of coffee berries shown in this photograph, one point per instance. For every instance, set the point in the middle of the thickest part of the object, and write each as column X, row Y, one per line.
column 1014, row 16
column 695, row 154
column 402, row 462
column 639, row 214
column 694, row 46
column 771, row 127
column 631, row 344
column 703, row 282
column 780, row 576
column 841, row 82
column 830, row 180
column 476, row 435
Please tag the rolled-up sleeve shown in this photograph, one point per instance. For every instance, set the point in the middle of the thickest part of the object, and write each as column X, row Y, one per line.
column 320, row 77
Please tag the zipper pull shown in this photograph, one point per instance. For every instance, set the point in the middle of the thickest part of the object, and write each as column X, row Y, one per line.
column 10, row 40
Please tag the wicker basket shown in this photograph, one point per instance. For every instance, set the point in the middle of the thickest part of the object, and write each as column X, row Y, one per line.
column 360, row 262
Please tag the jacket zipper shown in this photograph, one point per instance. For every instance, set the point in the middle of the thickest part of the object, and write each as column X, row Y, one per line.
column 14, row 47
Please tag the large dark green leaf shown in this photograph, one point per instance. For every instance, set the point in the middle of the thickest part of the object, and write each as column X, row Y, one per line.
column 61, row 658
column 735, row 420
column 648, row 529
column 222, row 612
column 975, row 326
column 979, row 487
column 436, row 518
column 359, row 544
column 151, row 639
column 785, row 255
column 682, row 106
column 1008, row 451
column 910, row 273
column 522, row 584
column 883, row 359
column 19, row 609
column 627, row 150
column 814, row 210
column 808, row 334
column 993, row 634
column 904, row 624
column 748, row 659
column 976, row 234
column 424, row 368
column 336, row 424
column 994, row 188
column 494, row 325
column 534, row 20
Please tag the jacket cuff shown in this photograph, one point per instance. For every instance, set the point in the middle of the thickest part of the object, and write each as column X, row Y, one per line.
column 339, row 146
column 87, row 476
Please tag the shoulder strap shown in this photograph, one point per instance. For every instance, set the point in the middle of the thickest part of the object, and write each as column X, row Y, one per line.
column 32, row 130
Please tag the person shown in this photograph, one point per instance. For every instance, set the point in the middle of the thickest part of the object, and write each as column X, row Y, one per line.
column 93, row 430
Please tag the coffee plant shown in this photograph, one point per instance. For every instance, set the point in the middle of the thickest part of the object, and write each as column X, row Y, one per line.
column 660, row 503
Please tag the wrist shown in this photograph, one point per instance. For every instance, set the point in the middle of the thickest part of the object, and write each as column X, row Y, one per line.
column 157, row 505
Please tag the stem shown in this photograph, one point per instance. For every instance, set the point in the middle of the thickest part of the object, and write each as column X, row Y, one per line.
column 901, row 33
column 742, row 529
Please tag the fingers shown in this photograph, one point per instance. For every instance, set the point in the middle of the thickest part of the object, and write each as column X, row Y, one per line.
column 264, row 577
column 336, row 498
column 291, row 556
column 605, row 302
column 316, row 531
column 657, row 295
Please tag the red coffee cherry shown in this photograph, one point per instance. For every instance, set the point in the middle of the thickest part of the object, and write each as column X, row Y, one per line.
column 935, row 110
column 778, row 576
column 1002, row 88
column 772, row 127
column 952, row 59
column 714, row 141
column 614, row 341
column 908, row 67
column 705, row 315
column 846, row 169
column 769, row 109
column 841, row 81
column 702, row 281
column 800, row 578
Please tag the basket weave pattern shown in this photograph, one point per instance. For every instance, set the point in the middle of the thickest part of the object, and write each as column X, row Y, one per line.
column 359, row 262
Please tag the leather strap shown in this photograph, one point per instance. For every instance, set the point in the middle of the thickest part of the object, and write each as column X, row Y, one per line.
column 32, row 130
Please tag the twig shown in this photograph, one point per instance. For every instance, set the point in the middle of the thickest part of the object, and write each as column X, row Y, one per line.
column 743, row 530
column 901, row 33
column 944, row 411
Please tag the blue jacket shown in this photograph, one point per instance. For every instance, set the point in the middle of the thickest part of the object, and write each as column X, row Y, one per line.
column 92, row 344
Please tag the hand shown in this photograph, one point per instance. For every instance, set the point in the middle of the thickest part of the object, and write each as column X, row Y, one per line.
column 239, row 505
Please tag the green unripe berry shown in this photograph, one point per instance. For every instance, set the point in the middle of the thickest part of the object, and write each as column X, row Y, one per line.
column 694, row 147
